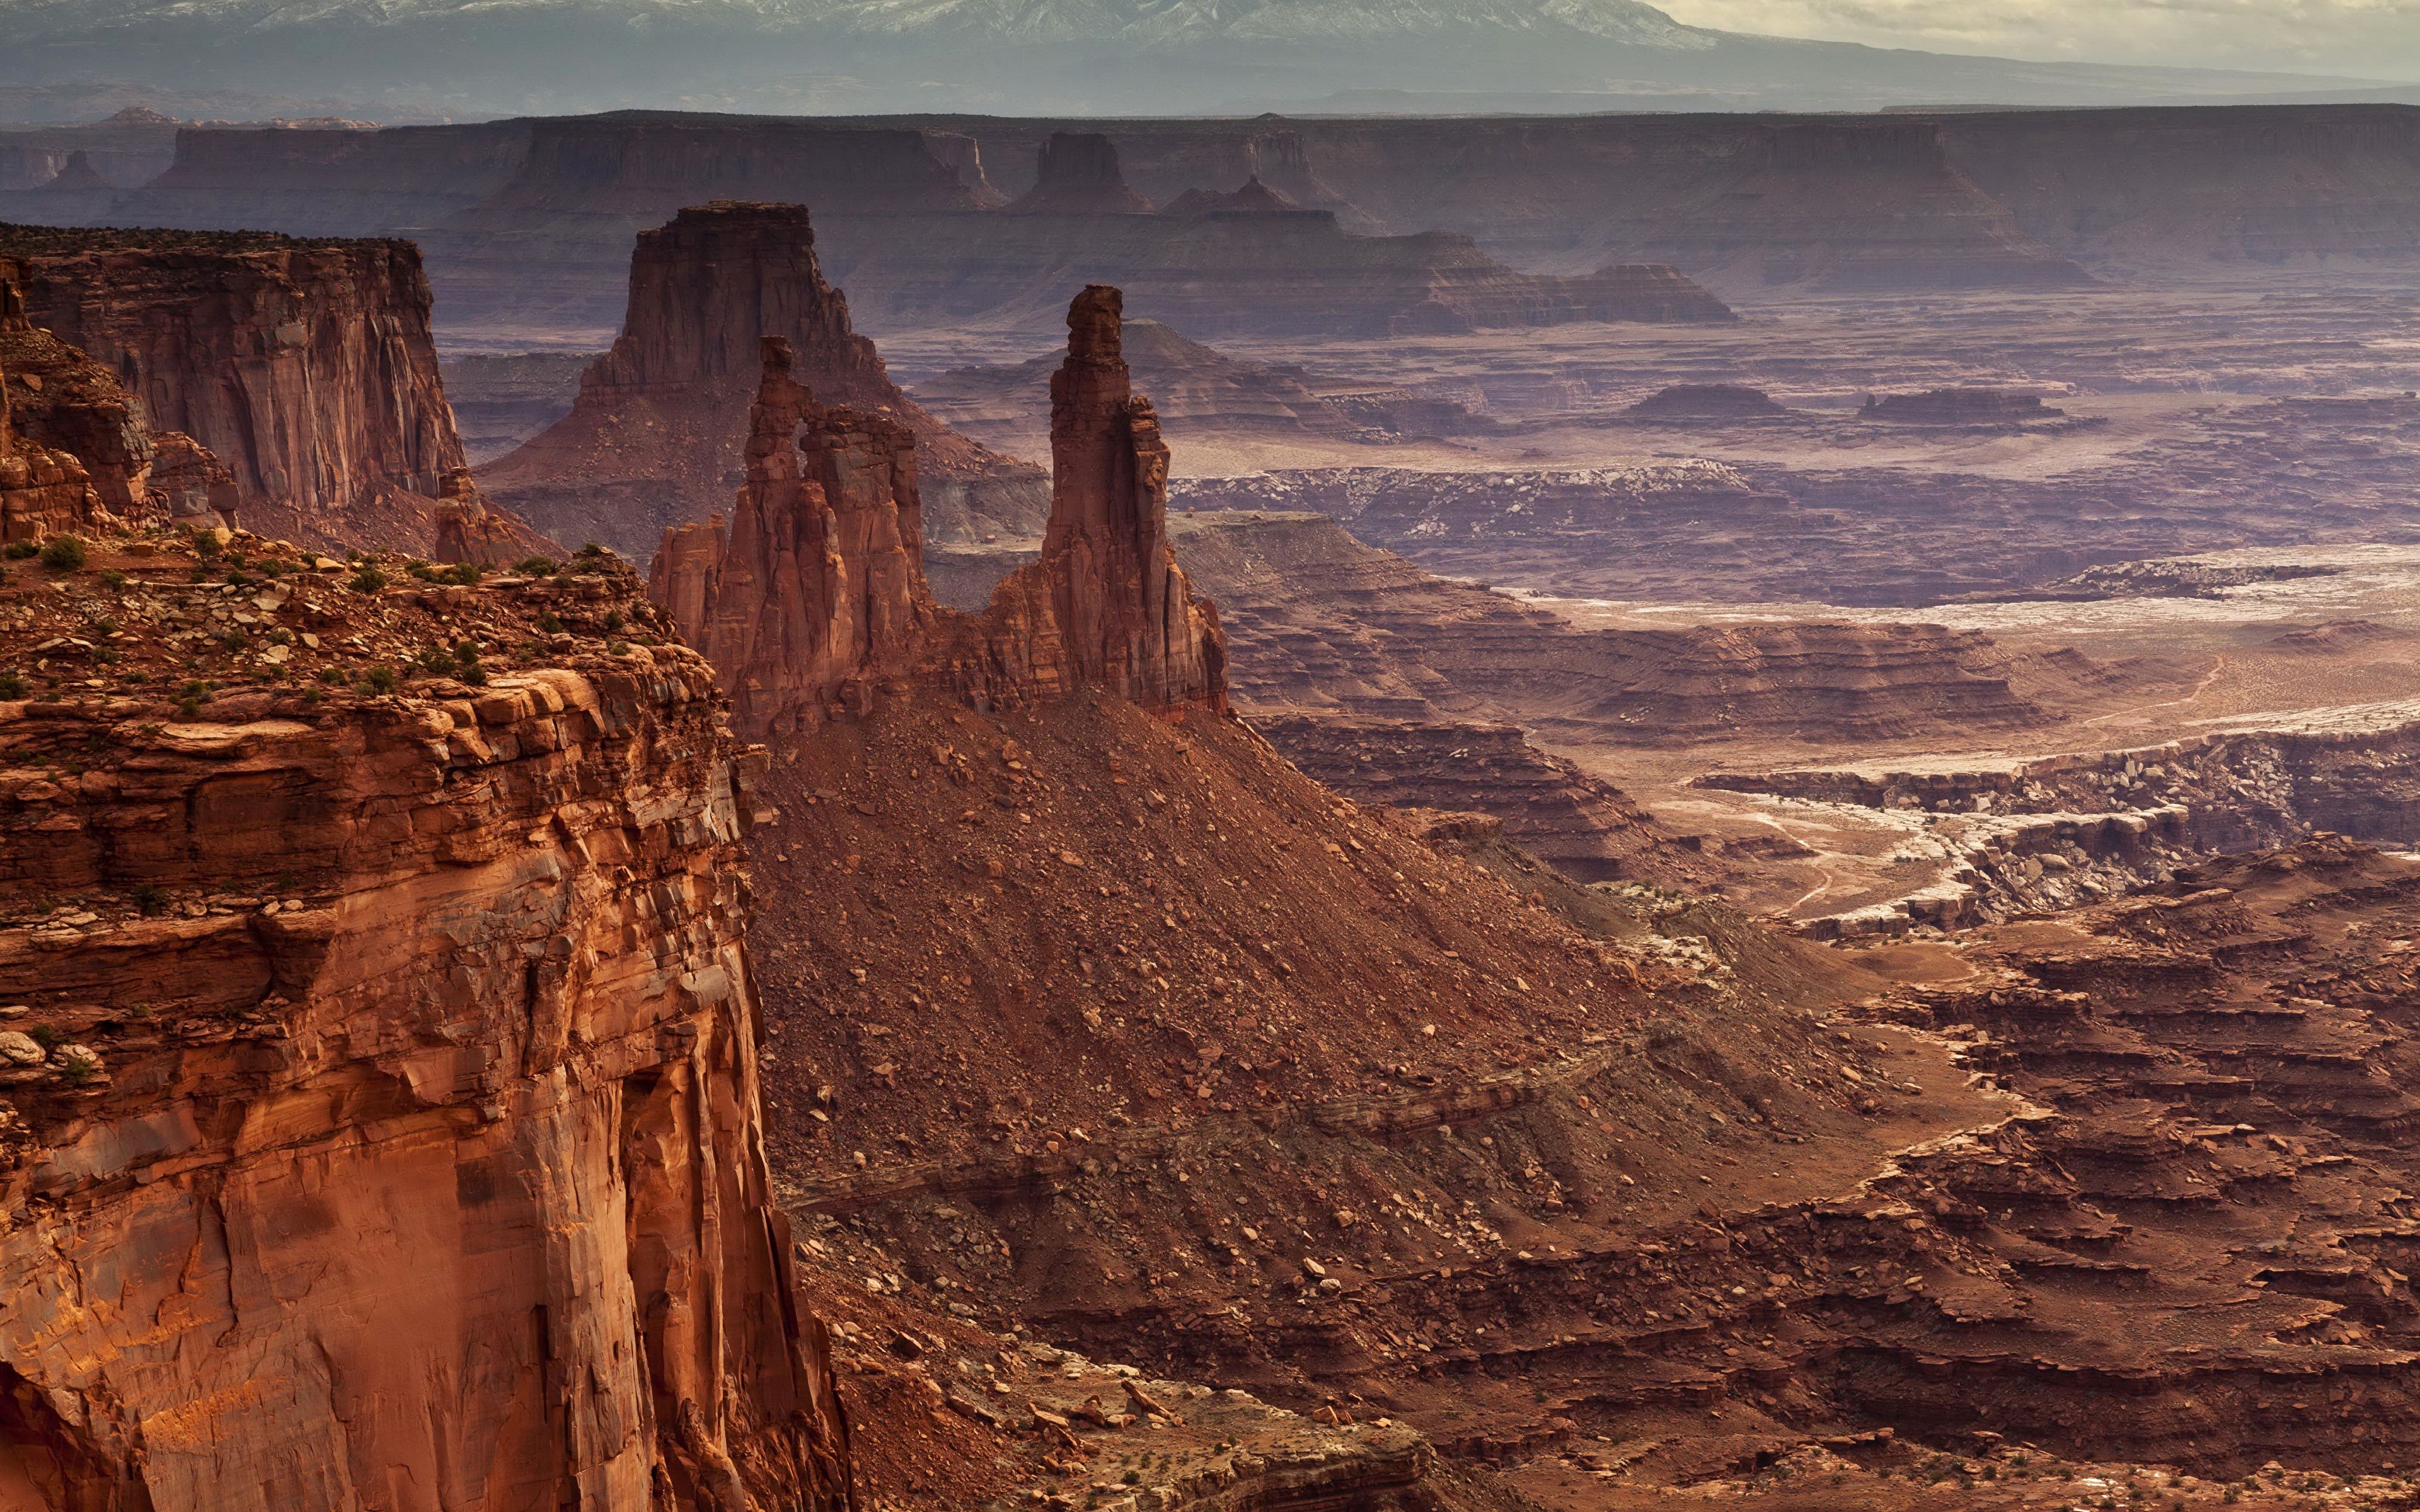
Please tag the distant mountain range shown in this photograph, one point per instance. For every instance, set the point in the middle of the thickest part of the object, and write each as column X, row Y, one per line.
column 1057, row 56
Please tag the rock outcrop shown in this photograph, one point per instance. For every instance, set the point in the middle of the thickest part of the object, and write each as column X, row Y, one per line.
column 1957, row 407
column 814, row 598
column 1107, row 606
column 658, row 435
column 468, row 531
column 379, row 1123
column 815, row 595
column 1252, row 198
column 1707, row 401
column 307, row 366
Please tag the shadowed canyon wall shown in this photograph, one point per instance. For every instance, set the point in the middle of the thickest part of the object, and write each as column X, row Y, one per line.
column 306, row 366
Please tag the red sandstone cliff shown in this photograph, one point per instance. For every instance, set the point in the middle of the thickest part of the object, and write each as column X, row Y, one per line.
column 658, row 435
column 817, row 590
column 307, row 366
column 379, row 1126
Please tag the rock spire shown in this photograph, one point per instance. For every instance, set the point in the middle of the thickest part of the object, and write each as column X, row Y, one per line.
column 815, row 593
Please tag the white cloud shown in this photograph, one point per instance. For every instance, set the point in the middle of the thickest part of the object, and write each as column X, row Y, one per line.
column 2363, row 38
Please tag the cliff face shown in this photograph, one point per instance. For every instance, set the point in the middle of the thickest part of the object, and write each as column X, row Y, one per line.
column 308, row 367
column 1247, row 263
column 380, row 1121
column 75, row 446
column 658, row 435
column 816, row 592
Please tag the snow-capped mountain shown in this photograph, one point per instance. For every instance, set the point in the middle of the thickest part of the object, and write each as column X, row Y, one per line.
column 1032, row 56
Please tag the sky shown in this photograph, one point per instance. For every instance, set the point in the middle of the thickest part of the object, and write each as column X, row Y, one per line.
column 2362, row 39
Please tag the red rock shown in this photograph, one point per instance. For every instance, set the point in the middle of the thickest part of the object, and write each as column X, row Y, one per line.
column 307, row 366
column 1126, row 615
column 816, row 592
column 469, row 530
column 658, row 435
column 75, row 447
column 815, row 595
column 423, row 1157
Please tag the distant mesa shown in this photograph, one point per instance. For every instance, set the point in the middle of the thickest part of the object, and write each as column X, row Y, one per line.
column 1707, row 401
column 659, row 432
column 77, row 174
column 1957, row 407
column 1254, row 198
column 1078, row 173
column 1196, row 387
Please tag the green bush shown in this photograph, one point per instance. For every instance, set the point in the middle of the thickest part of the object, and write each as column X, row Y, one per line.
column 11, row 686
column 534, row 566
column 368, row 580
column 19, row 551
column 112, row 579
column 149, row 900
column 63, row 553
column 206, row 545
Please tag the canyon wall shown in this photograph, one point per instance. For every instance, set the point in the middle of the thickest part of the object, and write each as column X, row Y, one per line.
column 380, row 1121
column 75, row 446
column 308, row 367
column 1221, row 263
column 657, row 434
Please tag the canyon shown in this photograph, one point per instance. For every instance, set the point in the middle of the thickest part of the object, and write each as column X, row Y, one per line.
column 1647, row 807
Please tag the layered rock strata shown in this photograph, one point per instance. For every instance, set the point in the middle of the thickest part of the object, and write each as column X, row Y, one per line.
column 379, row 1123
column 308, row 367
column 658, row 434
column 1582, row 825
column 1320, row 623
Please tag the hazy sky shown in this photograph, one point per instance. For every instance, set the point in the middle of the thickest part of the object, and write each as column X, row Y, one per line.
column 2368, row 38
